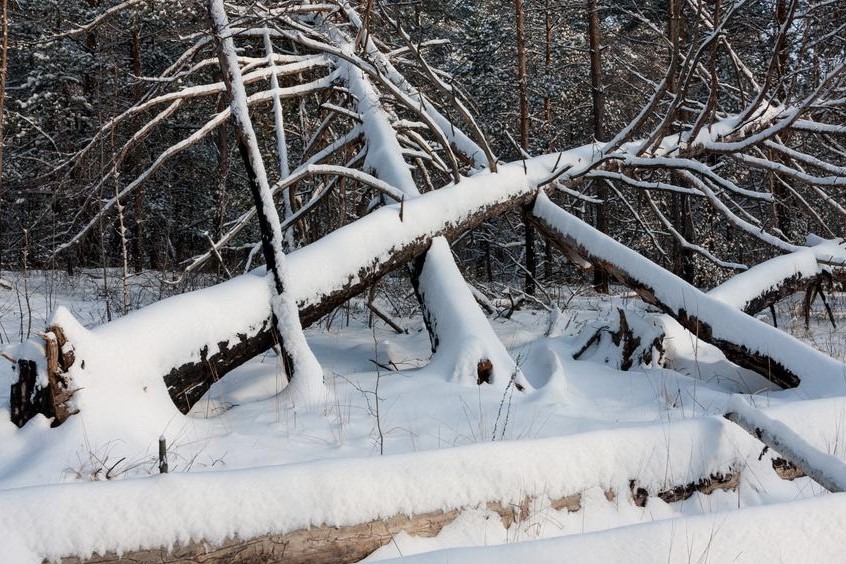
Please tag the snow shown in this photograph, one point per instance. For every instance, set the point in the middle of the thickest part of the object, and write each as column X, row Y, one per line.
column 583, row 428
column 256, row 456
column 798, row 531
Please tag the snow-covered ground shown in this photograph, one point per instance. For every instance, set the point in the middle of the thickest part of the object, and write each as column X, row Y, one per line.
column 397, row 436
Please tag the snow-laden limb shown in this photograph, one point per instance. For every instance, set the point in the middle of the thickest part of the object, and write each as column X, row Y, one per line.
column 825, row 469
column 455, row 320
column 306, row 375
column 463, row 341
column 764, row 284
column 480, row 156
column 746, row 341
column 281, row 143
column 209, row 507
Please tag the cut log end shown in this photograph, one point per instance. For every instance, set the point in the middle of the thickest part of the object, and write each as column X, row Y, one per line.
column 28, row 398
column 484, row 372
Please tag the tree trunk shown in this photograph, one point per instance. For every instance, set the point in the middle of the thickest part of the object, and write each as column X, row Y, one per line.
column 138, row 197
column 600, row 278
column 297, row 357
column 682, row 263
column 523, row 95
column 744, row 340
column 4, row 65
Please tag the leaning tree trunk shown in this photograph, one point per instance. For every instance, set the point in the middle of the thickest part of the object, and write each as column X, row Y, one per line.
column 747, row 342
column 300, row 362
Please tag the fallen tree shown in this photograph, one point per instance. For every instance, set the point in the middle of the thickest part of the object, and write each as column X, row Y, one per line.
column 744, row 340
column 390, row 123
column 321, row 282
column 773, row 354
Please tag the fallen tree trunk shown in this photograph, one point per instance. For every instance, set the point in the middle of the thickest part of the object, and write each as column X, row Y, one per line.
column 195, row 353
column 744, row 340
column 767, row 283
column 343, row 509
column 825, row 469
column 206, row 353
column 317, row 545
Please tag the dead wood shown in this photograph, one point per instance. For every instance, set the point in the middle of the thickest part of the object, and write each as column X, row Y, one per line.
column 635, row 345
column 29, row 398
column 352, row 543
column 736, row 352
column 719, row 481
column 786, row 470
column 325, row 543
column 188, row 382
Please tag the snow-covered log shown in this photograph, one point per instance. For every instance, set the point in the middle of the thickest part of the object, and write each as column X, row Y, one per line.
column 763, row 285
column 357, row 504
column 825, row 469
column 744, row 340
column 200, row 336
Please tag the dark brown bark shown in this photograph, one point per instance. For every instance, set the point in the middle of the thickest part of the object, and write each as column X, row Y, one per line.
column 29, row 399
column 597, row 87
column 531, row 259
column 682, row 264
column 522, row 74
column 720, row 481
column 547, row 61
column 523, row 100
column 600, row 278
column 4, row 65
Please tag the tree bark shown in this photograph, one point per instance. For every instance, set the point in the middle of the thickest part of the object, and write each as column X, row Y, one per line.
column 600, row 278
column 138, row 197
column 4, row 65
column 523, row 95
